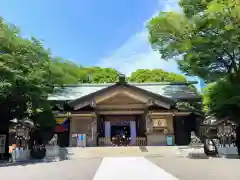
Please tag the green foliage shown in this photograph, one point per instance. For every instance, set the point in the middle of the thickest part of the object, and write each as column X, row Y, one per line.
column 68, row 72
column 102, row 75
column 45, row 119
column 192, row 7
column 206, row 37
column 222, row 98
column 26, row 78
column 155, row 75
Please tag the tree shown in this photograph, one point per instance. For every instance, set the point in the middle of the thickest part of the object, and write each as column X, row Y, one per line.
column 155, row 75
column 26, row 78
column 68, row 72
column 205, row 38
column 193, row 7
column 222, row 98
column 102, row 75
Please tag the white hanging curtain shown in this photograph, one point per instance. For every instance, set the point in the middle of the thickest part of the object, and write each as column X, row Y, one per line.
column 133, row 132
column 107, row 129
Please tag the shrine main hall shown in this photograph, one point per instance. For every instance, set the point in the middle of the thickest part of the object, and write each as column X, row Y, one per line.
column 148, row 112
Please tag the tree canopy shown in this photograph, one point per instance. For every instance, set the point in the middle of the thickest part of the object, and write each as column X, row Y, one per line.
column 222, row 97
column 68, row 72
column 155, row 75
column 25, row 75
column 204, row 37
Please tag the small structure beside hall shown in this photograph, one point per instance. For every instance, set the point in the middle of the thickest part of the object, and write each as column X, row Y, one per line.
column 19, row 139
column 146, row 113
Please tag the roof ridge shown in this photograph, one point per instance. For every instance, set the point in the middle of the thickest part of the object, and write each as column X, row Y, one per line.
column 88, row 84
column 130, row 83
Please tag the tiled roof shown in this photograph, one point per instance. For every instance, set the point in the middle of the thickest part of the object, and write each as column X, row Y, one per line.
column 173, row 91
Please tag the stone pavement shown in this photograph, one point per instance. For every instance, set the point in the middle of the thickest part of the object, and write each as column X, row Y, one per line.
column 125, row 151
column 128, row 168
column 127, row 163
column 83, row 169
column 200, row 169
column 134, row 168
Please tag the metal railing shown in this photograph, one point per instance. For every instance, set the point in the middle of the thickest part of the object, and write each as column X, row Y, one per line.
column 106, row 141
column 141, row 141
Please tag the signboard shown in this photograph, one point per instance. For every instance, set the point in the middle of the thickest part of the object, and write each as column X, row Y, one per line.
column 74, row 135
column 21, row 132
column 81, row 142
column 159, row 122
column 169, row 140
column 81, row 137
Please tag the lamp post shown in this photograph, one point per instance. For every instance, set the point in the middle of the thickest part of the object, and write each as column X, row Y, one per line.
column 22, row 134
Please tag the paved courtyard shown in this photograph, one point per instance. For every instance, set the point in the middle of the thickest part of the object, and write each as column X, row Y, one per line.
column 200, row 169
column 140, row 168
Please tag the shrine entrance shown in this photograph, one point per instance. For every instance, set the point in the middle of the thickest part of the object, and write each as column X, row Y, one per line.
column 120, row 135
column 120, row 130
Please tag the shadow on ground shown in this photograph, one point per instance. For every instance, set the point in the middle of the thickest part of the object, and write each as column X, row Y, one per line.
column 143, row 148
column 203, row 156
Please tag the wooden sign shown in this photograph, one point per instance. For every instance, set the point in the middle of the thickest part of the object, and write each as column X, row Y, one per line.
column 159, row 122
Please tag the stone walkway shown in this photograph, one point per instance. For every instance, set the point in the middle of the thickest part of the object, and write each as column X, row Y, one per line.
column 134, row 168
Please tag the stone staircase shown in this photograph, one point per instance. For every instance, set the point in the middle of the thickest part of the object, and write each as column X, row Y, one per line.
column 144, row 151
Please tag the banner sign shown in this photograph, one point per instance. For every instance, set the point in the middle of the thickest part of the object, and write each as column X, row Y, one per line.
column 62, row 124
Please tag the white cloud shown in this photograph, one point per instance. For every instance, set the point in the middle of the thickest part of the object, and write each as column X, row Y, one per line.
column 169, row 5
column 136, row 52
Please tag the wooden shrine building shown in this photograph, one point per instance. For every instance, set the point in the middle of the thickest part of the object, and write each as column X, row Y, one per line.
column 146, row 111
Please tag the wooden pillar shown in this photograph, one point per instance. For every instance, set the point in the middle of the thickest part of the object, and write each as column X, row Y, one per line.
column 70, row 131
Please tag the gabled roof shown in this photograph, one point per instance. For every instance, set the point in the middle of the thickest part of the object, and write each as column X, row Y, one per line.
column 225, row 121
column 173, row 91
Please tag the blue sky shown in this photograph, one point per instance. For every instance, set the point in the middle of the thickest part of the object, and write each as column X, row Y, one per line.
column 107, row 33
